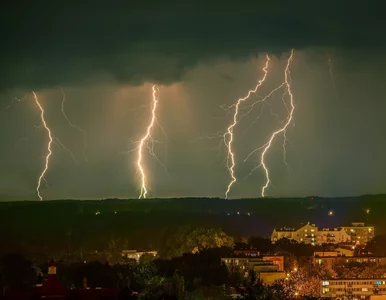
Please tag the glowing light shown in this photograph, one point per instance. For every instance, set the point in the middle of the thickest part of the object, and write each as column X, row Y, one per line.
column 330, row 213
column 83, row 132
column 142, row 143
column 228, row 136
column 49, row 152
column 282, row 130
column 367, row 211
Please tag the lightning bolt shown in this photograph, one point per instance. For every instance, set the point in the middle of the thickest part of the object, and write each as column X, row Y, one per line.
column 16, row 99
column 49, row 152
column 83, row 132
column 144, row 141
column 228, row 135
column 266, row 147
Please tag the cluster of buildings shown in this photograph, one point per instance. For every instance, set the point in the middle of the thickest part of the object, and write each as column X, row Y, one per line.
column 267, row 268
column 311, row 234
column 348, row 248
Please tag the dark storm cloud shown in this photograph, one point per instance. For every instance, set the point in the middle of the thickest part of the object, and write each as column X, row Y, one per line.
column 47, row 43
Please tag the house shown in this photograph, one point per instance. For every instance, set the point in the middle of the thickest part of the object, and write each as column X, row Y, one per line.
column 134, row 254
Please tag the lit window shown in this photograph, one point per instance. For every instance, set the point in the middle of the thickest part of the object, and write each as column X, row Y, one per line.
column 365, row 289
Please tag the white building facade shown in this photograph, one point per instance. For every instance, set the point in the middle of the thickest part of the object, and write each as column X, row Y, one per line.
column 311, row 234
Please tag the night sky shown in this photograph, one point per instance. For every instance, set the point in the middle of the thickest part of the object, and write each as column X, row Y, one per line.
column 107, row 55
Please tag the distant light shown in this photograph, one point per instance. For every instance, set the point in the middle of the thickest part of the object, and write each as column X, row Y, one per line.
column 228, row 214
column 238, row 212
column 98, row 213
column 296, row 269
column 330, row 213
column 248, row 214
column 367, row 211
column 115, row 212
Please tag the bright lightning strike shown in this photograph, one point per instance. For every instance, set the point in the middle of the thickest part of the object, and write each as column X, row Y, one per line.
column 83, row 132
column 144, row 141
column 49, row 152
column 228, row 136
column 287, row 80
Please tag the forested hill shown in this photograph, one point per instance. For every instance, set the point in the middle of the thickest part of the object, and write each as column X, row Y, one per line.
column 93, row 222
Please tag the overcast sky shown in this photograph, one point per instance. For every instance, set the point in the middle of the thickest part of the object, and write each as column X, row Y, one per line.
column 107, row 57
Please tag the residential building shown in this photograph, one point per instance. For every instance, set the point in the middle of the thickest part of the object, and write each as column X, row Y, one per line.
column 360, row 233
column 306, row 233
column 243, row 249
column 332, row 260
column 352, row 288
column 333, row 236
column 267, row 268
column 310, row 234
column 270, row 277
column 134, row 254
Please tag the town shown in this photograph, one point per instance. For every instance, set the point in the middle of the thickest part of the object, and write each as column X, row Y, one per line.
column 307, row 262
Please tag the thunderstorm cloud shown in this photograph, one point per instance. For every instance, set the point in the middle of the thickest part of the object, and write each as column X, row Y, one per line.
column 204, row 55
column 51, row 43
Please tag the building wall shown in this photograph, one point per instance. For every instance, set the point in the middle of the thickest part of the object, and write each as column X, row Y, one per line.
column 271, row 277
column 310, row 234
column 277, row 235
column 244, row 264
column 343, row 260
column 360, row 233
column 277, row 260
column 336, row 236
column 339, row 288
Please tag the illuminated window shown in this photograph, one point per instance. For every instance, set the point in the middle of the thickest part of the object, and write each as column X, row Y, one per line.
column 365, row 289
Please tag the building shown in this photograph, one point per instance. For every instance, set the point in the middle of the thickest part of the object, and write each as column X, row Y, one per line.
column 243, row 249
column 310, row 234
column 134, row 254
column 332, row 260
column 360, row 233
column 305, row 234
column 267, row 268
column 270, row 277
column 333, row 236
column 287, row 233
column 352, row 288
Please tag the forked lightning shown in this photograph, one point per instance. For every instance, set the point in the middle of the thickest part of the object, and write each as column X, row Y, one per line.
column 144, row 141
column 228, row 135
column 49, row 151
column 266, row 147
